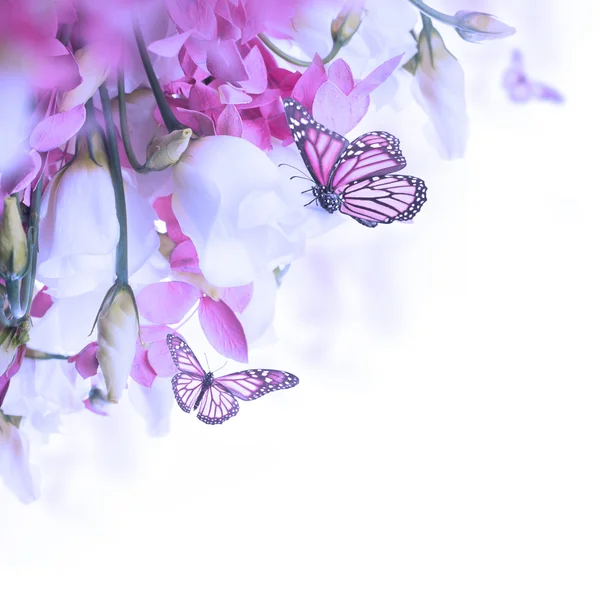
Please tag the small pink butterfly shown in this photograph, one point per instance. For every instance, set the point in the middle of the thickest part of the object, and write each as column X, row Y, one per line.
column 354, row 178
column 216, row 397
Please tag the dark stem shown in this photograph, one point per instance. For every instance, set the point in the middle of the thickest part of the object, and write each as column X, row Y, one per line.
column 117, row 178
column 137, row 166
column 171, row 123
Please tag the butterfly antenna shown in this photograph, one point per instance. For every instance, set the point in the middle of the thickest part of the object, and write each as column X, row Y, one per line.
column 207, row 365
column 298, row 177
column 221, row 367
column 308, row 190
column 309, row 203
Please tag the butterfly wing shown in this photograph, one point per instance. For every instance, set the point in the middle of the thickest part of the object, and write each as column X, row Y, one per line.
column 319, row 147
column 183, row 357
column 384, row 199
column 371, row 155
column 217, row 406
column 254, row 383
column 186, row 388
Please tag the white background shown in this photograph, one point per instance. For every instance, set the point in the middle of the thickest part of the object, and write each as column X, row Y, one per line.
column 444, row 440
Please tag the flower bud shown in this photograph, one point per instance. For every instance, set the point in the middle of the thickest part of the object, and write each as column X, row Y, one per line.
column 13, row 241
column 478, row 27
column 346, row 24
column 10, row 340
column 117, row 336
column 166, row 150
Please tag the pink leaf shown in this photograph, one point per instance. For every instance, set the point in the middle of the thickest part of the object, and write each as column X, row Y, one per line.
column 198, row 122
column 85, row 361
column 237, row 298
column 167, row 301
column 230, row 122
column 231, row 95
column 160, row 359
column 141, row 370
column 257, row 132
column 55, row 130
column 257, row 72
column 223, row 60
column 154, row 333
column 340, row 74
column 332, row 108
column 41, row 303
column 312, row 79
column 185, row 257
column 374, row 79
column 169, row 46
column 22, row 174
column 203, row 98
column 222, row 329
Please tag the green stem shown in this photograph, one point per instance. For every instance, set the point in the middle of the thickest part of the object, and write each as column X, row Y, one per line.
column 296, row 61
column 34, row 222
column 171, row 123
column 117, row 178
column 435, row 14
column 137, row 166
column 39, row 355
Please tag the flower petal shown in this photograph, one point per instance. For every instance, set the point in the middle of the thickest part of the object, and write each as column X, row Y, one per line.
column 55, row 130
column 222, row 329
column 166, row 302
column 230, row 122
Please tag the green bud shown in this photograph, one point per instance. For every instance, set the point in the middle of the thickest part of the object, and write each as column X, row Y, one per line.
column 13, row 241
column 346, row 24
column 166, row 150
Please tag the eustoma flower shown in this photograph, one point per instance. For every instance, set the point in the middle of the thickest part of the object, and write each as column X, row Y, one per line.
column 141, row 185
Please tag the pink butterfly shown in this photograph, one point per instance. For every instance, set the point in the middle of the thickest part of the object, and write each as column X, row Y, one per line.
column 354, row 178
column 216, row 398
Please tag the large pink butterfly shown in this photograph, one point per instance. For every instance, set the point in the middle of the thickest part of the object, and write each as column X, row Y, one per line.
column 354, row 178
column 216, row 397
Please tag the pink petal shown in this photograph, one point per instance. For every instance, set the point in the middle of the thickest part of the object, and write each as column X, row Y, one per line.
column 167, row 301
column 191, row 14
column 185, row 257
column 312, row 79
column 203, row 98
column 374, row 79
column 164, row 211
column 222, row 329
column 231, row 95
column 223, row 60
column 262, row 99
column 41, row 303
column 230, row 122
column 154, row 333
column 237, row 298
column 169, row 46
column 198, row 122
column 58, row 71
column 55, row 130
column 257, row 132
column 257, row 72
column 332, row 108
column 160, row 359
column 22, row 174
column 141, row 370
column 85, row 361
column 95, row 409
column 339, row 73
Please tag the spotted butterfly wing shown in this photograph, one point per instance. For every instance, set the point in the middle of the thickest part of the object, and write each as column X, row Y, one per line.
column 216, row 398
column 320, row 148
column 254, row 383
column 361, row 175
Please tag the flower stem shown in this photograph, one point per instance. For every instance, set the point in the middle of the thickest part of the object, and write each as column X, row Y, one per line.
column 117, row 178
column 137, row 166
column 434, row 14
column 39, row 355
column 34, row 222
column 296, row 61
column 171, row 123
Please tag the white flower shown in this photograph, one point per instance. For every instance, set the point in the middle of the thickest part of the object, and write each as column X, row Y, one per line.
column 15, row 470
column 227, row 200
column 439, row 88
column 79, row 230
column 154, row 404
column 15, row 94
column 42, row 391
column 117, row 337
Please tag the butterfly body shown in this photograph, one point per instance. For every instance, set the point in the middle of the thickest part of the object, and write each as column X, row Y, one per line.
column 326, row 198
column 355, row 177
column 216, row 398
